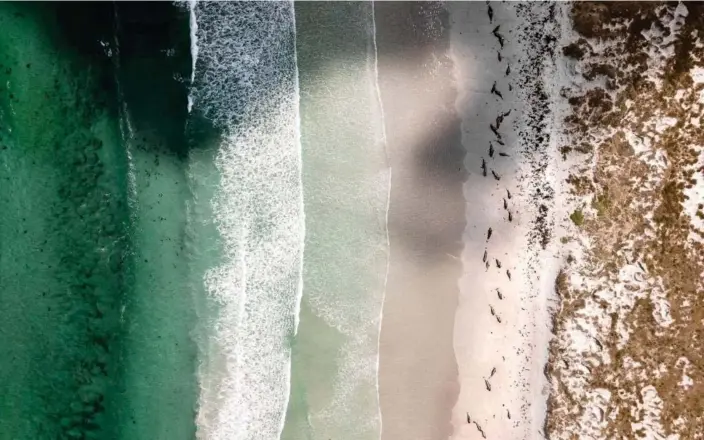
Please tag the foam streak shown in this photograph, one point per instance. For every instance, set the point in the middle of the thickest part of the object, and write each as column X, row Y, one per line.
column 386, row 215
column 194, row 47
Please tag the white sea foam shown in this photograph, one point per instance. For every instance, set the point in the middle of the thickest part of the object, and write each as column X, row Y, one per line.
column 247, row 86
column 194, row 46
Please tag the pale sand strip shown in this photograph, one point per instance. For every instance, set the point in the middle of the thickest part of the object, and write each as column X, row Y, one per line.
column 501, row 326
column 418, row 372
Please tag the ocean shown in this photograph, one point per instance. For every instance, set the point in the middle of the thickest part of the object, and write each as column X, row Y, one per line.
column 193, row 221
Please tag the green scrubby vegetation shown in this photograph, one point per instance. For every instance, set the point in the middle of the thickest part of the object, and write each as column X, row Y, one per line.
column 577, row 217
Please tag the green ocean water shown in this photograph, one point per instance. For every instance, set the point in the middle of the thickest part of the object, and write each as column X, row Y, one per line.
column 160, row 354
column 64, row 243
column 96, row 308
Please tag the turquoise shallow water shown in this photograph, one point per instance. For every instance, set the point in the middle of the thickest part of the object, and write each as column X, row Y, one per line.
column 345, row 186
column 159, row 315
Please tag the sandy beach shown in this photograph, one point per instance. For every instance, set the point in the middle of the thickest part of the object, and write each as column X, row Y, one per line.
column 469, row 235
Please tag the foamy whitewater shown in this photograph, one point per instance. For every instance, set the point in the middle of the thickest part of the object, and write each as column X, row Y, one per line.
column 193, row 24
column 246, row 83
column 346, row 181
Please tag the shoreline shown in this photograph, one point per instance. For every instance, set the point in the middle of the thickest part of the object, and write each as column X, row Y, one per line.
column 417, row 368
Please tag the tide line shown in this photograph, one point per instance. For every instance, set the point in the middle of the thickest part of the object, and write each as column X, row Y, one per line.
column 388, row 204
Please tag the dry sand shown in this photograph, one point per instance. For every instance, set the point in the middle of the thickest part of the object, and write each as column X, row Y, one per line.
column 501, row 326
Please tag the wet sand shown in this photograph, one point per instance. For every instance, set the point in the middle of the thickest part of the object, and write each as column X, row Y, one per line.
column 418, row 373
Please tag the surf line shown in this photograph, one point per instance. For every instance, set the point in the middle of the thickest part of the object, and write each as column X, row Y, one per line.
column 193, row 25
column 386, row 214
column 253, row 285
column 126, row 130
